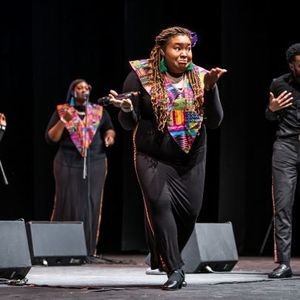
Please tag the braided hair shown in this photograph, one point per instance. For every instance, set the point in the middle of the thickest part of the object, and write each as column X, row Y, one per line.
column 159, row 96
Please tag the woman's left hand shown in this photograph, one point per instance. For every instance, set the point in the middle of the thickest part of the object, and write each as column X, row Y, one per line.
column 212, row 76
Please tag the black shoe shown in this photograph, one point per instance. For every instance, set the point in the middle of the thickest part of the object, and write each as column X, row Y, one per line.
column 175, row 281
column 282, row 271
column 94, row 259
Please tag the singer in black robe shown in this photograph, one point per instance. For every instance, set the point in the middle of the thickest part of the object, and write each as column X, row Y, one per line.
column 78, row 198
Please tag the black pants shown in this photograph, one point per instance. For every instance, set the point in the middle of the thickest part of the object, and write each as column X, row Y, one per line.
column 172, row 200
column 285, row 169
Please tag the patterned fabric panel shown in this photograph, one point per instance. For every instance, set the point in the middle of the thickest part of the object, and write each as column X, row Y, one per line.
column 82, row 131
column 183, row 122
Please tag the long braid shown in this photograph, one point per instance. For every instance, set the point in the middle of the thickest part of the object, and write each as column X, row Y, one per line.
column 198, row 89
column 159, row 96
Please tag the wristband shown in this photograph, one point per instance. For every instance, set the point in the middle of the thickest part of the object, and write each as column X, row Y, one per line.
column 127, row 109
column 63, row 120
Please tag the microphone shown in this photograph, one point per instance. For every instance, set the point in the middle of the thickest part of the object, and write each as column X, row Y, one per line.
column 104, row 101
column 86, row 95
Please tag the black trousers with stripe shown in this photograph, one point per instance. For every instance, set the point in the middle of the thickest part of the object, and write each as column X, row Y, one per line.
column 285, row 170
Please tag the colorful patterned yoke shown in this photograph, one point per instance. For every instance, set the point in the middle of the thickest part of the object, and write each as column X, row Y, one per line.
column 81, row 131
column 183, row 121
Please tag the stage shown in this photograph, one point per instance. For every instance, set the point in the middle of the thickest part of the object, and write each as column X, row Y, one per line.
column 123, row 277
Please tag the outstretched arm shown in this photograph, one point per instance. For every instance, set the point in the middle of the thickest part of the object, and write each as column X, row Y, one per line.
column 129, row 112
column 213, row 110
column 213, row 106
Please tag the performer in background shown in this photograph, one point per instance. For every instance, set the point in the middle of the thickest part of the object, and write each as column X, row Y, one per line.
column 83, row 132
column 177, row 100
column 284, row 109
column 2, row 125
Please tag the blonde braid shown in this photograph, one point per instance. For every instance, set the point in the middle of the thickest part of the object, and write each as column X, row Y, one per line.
column 159, row 96
column 197, row 87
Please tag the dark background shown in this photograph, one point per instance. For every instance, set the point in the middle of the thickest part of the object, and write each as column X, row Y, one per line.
column 47, row 44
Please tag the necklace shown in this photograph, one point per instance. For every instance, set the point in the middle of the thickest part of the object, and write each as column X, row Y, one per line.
column 81, row 113
column 177, row 82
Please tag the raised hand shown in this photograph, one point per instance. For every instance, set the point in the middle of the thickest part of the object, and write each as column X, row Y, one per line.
column 124, row 104
column 282, row 101
column 212, row 76
column 2, row 119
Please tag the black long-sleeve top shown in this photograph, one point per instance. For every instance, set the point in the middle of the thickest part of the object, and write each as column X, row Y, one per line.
column 288, row 119
column 160, row 145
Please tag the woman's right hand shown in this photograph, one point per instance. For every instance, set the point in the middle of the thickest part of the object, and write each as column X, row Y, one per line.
column 67, row 116
column 124, row 104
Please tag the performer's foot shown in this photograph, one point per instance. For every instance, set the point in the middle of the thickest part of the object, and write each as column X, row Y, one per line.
column 94, row 259
column 176, row 280
column 150, row 271
column 282, row 271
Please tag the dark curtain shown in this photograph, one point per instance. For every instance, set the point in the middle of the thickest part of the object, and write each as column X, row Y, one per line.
column 47, row 44
column 253, row 49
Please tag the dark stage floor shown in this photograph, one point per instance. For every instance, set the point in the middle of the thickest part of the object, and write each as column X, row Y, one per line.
column 123, row 277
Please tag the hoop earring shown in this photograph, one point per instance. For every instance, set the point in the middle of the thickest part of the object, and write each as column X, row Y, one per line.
column 162, row 66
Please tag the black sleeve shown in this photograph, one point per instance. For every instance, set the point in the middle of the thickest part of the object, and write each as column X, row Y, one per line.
column 128, row 120
column 107, row 122
column 54, row 119
column 213, row 110
column 270, row 115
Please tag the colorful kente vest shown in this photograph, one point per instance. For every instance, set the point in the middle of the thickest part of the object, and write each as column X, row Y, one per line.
column 183, row 121
column 82, row 131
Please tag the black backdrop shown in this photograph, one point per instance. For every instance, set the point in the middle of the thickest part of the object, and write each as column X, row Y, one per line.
column 47, row 44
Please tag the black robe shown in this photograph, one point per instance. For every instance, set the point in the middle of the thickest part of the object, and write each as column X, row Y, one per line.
column 76, row 198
